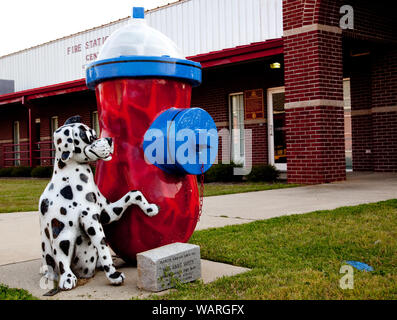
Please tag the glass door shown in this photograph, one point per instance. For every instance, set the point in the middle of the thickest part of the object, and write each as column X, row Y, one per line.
column 277, row 145
column 237, row 128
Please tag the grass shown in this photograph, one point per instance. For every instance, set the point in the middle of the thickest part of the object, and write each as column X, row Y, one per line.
column 18, row 195
column 300, row 256
column 7, row 293
column 216, row 189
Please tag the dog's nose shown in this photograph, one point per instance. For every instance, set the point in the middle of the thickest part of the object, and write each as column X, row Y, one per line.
column 110, row 141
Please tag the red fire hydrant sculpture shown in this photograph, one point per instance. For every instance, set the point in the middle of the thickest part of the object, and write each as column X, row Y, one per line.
column 138, row 75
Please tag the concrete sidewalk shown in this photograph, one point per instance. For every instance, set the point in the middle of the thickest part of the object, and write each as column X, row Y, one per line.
column 20, row 235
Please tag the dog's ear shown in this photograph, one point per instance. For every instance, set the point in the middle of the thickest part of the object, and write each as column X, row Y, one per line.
column 74, row 119
column 64, row 143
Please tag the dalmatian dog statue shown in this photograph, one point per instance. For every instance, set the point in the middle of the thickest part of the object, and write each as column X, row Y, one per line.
column 73, row 210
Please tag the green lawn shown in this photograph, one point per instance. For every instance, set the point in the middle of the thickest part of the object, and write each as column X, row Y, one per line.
column 216, row 189
column 299, row 256
column 18, row 195
column 7, row 293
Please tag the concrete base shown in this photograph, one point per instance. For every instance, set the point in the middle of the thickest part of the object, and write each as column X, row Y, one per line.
column 26, row 275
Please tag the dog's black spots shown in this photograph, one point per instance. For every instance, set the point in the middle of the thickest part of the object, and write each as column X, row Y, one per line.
column 104, row 257
column 69, row 275
column 118, row 210
column 76, row 142
column 50, row 261
column 71, row 223
column 95, row 217
column 91, row 197
column 149, row 210
column 57, row 227
column 79, row 187
column 63, row 211
column 43, row 246
column 83, row 134
column 88, row 170
column 66, row 145
column 67, row 193
column 83, row 177
column 55, row 172
column 91, row 231
column 51, row 187
column 85, row 270
column 65, row 155
column 47, row 233
column 55, row 252
column 127, row 199
column 68, row 281
column 103, row 241
column 138, row 198
column 77, row 150
column 79, row 240
column 44, row 206
column 76, row 259
column 84, row 213
column 92, row 259
column 64, row 179
column 104, row 217
column 51, row 203
column 70, row 140
column 106, row 268
column 75, row 204
column 64, row 245
column 59, row 141
column 66, row 132
column 115, row 275
column 61, row 268
column 107, row 201
column 89, row 243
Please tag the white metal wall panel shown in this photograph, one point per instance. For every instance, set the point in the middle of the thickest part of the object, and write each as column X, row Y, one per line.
column 197, row 26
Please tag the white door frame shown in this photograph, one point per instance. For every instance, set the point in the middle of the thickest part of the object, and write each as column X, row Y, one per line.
column 270, row 128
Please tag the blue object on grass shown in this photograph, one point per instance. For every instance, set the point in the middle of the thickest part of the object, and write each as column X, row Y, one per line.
column 360, row 265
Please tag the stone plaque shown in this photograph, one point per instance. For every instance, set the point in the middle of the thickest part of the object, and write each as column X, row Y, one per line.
column 161, row 268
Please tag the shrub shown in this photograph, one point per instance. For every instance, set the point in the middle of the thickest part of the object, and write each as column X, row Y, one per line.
column 21, row 171
column 42, row 172
column 5, row 172
column 222, row 173
column 264, row 173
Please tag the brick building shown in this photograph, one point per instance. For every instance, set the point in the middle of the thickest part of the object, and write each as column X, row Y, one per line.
column 315, row 80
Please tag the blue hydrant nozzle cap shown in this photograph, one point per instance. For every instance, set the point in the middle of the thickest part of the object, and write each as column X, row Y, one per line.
column 138, row 13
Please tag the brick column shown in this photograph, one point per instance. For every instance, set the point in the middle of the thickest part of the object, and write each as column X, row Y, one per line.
column 314, row 96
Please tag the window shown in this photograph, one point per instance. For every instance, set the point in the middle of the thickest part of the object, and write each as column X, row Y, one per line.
column 53, row 127
column 95, row 122
column 236, row 101
column 16, row 139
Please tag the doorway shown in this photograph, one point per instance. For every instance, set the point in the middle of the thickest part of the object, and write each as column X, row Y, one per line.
column 277, row 146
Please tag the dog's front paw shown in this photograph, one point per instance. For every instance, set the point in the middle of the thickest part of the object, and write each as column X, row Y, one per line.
column 67, row 281
column 152, row 210
column 116, row 278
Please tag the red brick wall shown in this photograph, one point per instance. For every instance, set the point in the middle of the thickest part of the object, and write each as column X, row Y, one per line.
column 313, row 76
column 384, row 116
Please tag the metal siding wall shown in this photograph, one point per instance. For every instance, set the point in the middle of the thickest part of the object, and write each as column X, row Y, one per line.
column 197, row 26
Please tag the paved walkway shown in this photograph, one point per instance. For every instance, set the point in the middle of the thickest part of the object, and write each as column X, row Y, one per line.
column 20, row 236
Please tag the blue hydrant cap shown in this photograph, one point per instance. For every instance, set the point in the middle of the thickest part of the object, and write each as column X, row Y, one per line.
column 138, row 13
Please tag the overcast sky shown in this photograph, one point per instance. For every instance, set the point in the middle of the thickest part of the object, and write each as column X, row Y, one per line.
column 26, row 23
